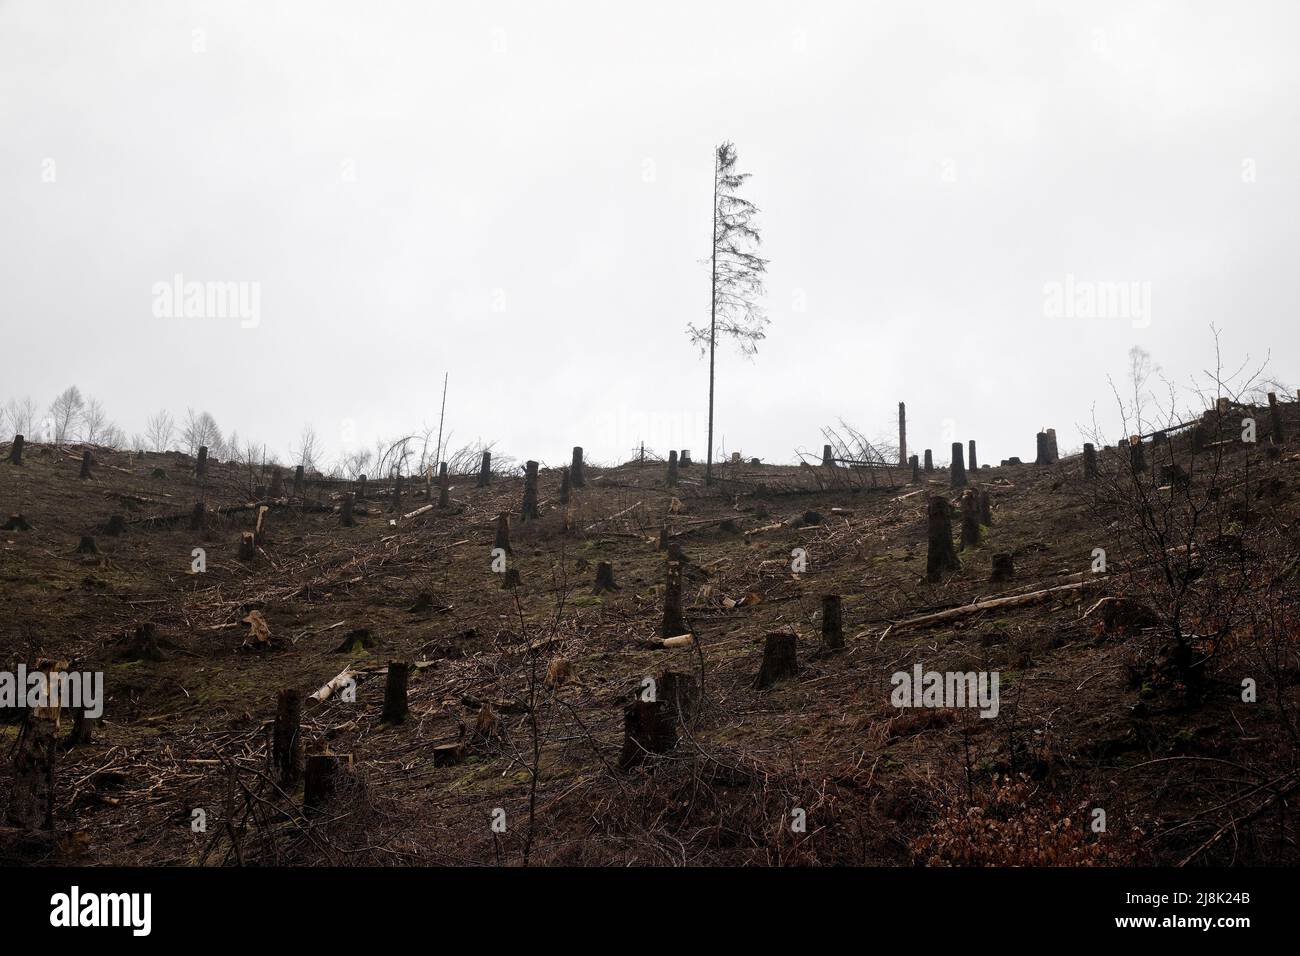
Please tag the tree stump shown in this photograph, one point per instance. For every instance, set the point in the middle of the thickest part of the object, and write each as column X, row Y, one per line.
column 673, row 624
column 487, row 726
column 31, row 795
column 116, row 525
column 286, row 736
column 247, row 547
column 942, row 556
column 142, row 644
column 361, row 488
column 958, row 467
column 82, row 733
column 395, row 709
column 902, row 432
column 86, row 462
column 396, row 504
column 529, row 510
column 1275, row 419
column 970, row 519
column 260, row 525
column 1089, row 460
column 1175, row 476
column 1053, row 453
column 577, row 475
column 16, row 522
column 1041, row 458
column 647, row 729
column 1004, row 567
column 444, row 486
column 502, row 539
column 1137, row 455
column 970, row 446
column 345, row 510
column 672, row 468
column 485, row 470
column 680, row 695
column 299, row 481
column 16, row 451
column 916, row 468
column 780, row 660
column 566, row 486
column 929, row 461
column 828, row 460
column 321, row 779
column 663, row 537
column 604, row 578
column 684, row 459
column 87, row 545
column 986, row 508
column 199, row 516
column 277, row 482
column 201, row 463
column 833, row 621
column 511, row 579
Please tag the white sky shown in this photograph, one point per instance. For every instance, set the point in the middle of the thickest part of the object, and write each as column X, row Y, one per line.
column 923, row 169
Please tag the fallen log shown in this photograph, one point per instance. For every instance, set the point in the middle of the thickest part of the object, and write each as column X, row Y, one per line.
column 975, row 607
column 334, row 684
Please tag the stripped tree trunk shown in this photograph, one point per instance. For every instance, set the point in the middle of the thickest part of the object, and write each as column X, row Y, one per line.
column 902, row 433
column 1275, row 419
column 604, row 578
column 395, row 709
column 929, row 460
column 31, row 795
column 322, row 776
column 673, row 624
column 529, row 510
column 286, row 740
column 345, row 511
column 502, row 539
column 780, row 659
column 576, row 474
column 444, row 487
column 958, row 468
column 970, row 519
column 201, row 464
column 1089, row 460
column 833, row 620
column 971, row 456
column 16, row 452
column 942, row 556
column 647, row 729
column 485, row 470
column 672, row 467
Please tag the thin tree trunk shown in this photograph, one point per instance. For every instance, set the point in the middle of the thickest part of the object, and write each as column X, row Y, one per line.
column 713, row 323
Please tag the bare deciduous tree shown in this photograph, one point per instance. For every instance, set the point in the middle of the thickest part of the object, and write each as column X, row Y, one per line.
column 159, row 430
column 201, row 429
column 65, row 414
column 94, row 422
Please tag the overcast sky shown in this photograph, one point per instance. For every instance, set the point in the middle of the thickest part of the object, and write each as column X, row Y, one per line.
column 519, row 194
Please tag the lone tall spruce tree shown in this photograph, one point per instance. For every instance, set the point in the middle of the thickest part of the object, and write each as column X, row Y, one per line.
column 737, row 276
